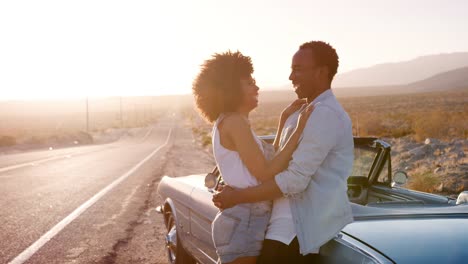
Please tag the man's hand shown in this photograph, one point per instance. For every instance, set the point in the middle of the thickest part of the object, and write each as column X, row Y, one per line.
column 226, row 198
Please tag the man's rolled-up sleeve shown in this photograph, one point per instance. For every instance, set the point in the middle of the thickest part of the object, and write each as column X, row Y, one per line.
column 319, row 137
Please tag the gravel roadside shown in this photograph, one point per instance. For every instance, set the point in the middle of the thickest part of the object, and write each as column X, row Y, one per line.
column 145, row 237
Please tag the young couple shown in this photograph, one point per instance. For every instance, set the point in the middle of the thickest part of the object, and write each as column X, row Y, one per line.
column 279, row 209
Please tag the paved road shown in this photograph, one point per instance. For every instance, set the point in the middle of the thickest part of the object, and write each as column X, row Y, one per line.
column 78, row 205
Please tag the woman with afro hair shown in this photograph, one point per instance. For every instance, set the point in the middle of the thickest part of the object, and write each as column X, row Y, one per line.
column 225, row 93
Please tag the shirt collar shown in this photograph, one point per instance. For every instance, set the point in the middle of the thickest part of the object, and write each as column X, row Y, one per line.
column 327, row 93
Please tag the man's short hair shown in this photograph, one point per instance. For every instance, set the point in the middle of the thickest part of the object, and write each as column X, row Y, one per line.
column 217, row 88
column 325, row 55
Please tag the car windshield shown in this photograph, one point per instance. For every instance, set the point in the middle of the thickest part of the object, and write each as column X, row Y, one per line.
column 363, row 160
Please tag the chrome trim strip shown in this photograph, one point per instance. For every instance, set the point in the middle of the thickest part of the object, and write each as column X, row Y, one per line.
column 206, row 255
column 349, row 241
column 199, row 224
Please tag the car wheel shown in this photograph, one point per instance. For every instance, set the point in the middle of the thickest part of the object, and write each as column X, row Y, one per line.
column 175, row 252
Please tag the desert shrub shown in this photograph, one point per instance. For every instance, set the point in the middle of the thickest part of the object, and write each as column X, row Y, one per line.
column 263, row 125
column 200, row 129
column 434, row 115
column 440, row 124
column 205, row 139
column 7, row 141
column 369, row 125
column 380, row 125
column 430, row 124
column 424, row 182
column 399, row 132
column 36, row 140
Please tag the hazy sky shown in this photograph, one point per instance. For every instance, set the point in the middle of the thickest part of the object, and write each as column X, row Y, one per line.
column 51, row 49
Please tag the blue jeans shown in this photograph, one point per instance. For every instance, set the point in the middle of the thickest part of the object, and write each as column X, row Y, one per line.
column 239, row 231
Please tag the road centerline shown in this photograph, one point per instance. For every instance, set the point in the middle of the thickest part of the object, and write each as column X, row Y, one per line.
column 35, row 162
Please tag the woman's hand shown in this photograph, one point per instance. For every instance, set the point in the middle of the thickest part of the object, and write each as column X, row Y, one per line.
column 304, row 114
column 291, row 108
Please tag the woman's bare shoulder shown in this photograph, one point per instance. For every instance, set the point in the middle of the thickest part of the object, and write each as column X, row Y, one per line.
column 235, row 121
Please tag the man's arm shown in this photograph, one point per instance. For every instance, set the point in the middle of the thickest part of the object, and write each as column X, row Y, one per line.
column 230, row 197
column 320, row 136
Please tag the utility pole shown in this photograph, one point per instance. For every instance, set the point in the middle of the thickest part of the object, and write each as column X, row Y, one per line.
column 87, row 115
column 121, row 116
column 135, row 113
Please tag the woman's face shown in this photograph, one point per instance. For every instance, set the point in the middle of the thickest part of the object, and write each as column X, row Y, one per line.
column 249, row 94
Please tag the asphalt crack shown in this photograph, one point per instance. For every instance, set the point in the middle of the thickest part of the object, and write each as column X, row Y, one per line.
column 111, row 257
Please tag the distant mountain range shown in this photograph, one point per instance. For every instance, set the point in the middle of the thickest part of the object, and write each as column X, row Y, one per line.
column 442, row 72
column 450, row 80
column 447, row 81
column 405, row 72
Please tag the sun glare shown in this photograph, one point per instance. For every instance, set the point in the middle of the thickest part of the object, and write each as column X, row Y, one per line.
column 92, row 48
column 69, row 49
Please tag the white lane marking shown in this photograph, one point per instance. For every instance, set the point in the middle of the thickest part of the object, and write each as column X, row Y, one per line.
column 34, row 163
column 31, row 250
column 147, row 134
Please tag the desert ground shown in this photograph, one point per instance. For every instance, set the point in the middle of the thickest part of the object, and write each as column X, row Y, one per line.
column 428, row 133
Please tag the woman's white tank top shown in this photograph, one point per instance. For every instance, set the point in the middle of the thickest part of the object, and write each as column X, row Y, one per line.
column 232, row 168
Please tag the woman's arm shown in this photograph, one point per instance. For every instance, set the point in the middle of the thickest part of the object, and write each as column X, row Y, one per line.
column 238, row 130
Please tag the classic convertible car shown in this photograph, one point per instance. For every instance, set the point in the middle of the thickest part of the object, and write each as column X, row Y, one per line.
column 392, row 224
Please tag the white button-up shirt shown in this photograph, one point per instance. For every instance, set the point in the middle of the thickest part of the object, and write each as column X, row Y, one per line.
column 315, row 182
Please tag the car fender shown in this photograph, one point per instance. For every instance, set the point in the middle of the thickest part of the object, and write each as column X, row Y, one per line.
column 181, row 226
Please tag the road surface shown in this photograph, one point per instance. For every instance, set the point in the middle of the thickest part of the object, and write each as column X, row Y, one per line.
column 93, row 204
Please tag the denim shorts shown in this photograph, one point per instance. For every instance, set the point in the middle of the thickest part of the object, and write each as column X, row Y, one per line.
column 239, row 231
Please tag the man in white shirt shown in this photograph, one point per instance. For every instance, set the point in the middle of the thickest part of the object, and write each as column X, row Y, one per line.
column 311, row 204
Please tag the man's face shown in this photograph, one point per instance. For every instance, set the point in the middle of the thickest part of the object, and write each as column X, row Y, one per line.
column 304, row 73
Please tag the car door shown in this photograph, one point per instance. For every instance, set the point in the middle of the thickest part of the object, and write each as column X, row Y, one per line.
column 202, row 214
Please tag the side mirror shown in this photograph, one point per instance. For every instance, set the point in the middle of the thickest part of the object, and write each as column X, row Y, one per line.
column 462, row 198
column 210, row 180
column 400, row 178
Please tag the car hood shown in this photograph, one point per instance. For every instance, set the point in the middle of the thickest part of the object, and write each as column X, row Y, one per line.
column 416, row 238
column 196, row 180
column 179, row 187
